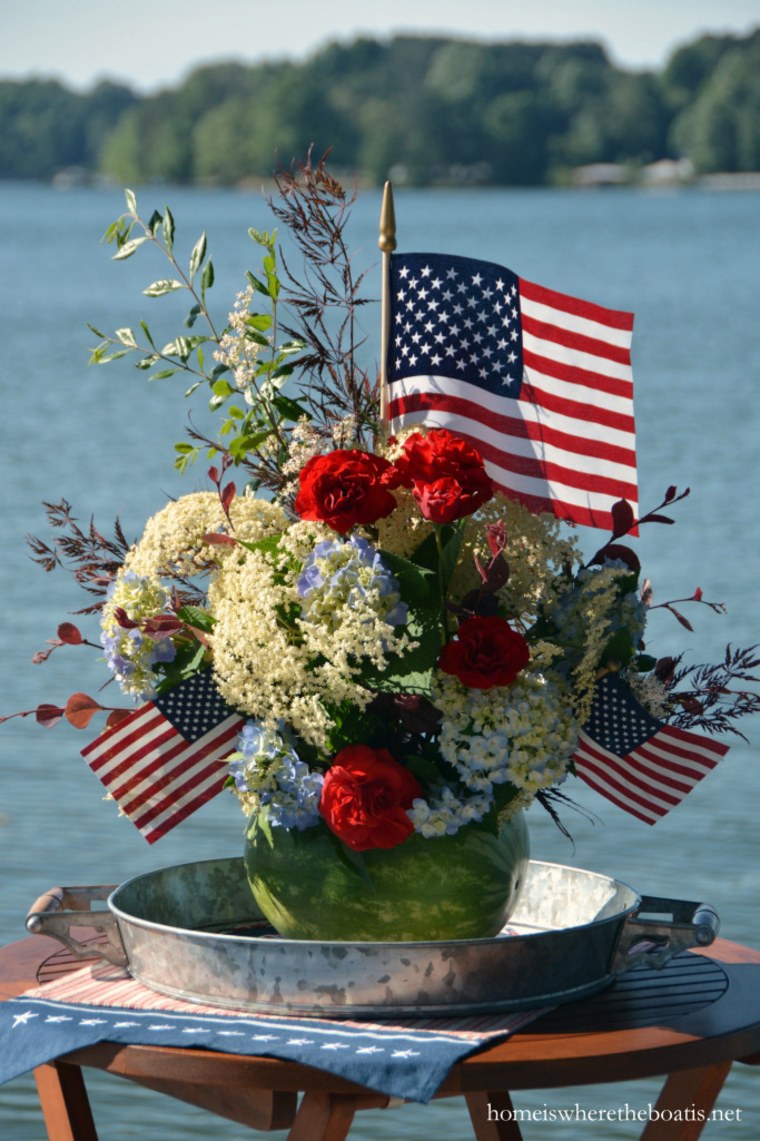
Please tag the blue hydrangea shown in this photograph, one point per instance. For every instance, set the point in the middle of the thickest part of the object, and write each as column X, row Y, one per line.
column 349, row 573
column 267, row 766
column 129, row 654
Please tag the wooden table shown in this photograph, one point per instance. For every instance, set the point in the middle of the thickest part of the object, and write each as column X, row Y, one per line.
column 689, row 1023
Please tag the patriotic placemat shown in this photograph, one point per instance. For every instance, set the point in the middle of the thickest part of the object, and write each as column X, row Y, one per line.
column 101, row 1003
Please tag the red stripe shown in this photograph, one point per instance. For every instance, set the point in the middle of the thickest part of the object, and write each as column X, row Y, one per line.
column 578, row 342
column 615, row 318
column 215, row 764
column 578, row 410
column 115, row 740
column 647, row 752
column 175, row 776
column 591, row 762
column 645, row 761
column 587, row 379
column 684, row 735
column 595, row 755
column 619, row 801
column 507, row 425
column 138, row 763
column 153, row 834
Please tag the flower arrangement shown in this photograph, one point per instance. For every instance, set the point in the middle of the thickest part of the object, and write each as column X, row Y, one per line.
column 409, row 651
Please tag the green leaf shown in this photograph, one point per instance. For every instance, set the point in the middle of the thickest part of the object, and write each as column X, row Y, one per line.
column 147, row 362
column 222, row 388
column 126, row 337
column 164, row 374
column 257, row 284
column 167, row 227
column 131, row 200
column 288, row 409
column 112, row 356
column 418, row 584
column 192, row 316
column 198, row 617
column 128, row 248
column 147, row 332
column 207, row 277
column 619, row 649
column 292, row 347
column 260, row 321
column 245, row 443
column 180, row 347
column 159, row 288
column 198, row 254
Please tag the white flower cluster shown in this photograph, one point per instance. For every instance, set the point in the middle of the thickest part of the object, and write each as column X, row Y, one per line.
column 237, row 349
column 523, row 734
column 274, row 665
column 443, row 813
column 131, row 655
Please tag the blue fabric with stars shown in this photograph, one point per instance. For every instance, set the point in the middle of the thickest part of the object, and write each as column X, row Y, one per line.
column 403, row 1063
column 456, row 317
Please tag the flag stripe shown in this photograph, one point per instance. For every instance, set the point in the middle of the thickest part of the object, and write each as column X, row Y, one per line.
column 596, row 350
column 627, row 774
column 181, row 771
column 577, row 412
column 563, row 306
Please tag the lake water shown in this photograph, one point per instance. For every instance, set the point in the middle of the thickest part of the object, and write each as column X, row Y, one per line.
column 687, row 263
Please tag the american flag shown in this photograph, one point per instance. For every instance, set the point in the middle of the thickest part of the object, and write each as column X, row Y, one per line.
column 539, row 382
column 643, row 765
column 167, row 758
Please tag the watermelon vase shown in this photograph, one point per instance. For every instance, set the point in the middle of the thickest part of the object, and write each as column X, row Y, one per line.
column 309, row 886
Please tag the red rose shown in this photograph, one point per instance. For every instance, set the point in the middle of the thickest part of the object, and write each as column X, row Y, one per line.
column 446, row 474
column 486, row 652
column 365, row 797
column 346, row 487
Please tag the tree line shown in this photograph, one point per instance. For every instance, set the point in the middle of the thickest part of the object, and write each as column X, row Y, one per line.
column 429, row 109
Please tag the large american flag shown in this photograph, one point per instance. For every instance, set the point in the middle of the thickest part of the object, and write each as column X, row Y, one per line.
column 167, row 758
column 539, row 382
column 643, row 765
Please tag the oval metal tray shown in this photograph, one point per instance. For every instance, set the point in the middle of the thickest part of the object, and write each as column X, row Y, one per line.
column 193, row 931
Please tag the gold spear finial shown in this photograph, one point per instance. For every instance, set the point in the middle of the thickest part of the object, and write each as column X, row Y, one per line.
column 387, row 238
column 387, row 243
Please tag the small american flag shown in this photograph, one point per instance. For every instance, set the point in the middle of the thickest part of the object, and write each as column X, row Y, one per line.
column 643, row 765
column 539, row 382
column 167, row 758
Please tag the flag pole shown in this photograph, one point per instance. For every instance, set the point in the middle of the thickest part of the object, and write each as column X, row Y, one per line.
column 387, row 243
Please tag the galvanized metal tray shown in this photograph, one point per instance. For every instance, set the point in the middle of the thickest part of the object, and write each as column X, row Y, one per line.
column 193, row 931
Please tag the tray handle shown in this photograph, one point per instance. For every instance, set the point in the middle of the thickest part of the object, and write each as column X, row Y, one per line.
column 660, row 928
column 62, row 908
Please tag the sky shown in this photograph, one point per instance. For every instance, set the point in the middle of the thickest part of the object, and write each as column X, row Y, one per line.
column 151, row 44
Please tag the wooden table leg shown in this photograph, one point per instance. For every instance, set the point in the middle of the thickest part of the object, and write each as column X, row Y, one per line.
column 689, row 1094
column 324, row 1116
column 64, row 1102
column 492, row 1116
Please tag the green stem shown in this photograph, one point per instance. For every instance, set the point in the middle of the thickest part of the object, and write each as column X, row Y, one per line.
column 442, row 584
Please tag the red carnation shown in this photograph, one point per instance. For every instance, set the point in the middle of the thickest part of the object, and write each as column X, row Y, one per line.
column 485, row 653
column 446, row 474
column 365, row 796
column 345, row 488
